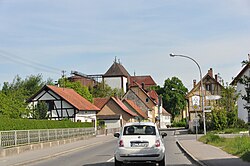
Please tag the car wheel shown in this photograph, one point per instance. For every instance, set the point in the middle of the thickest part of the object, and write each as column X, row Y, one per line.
column 118, row 163
column 162, row 162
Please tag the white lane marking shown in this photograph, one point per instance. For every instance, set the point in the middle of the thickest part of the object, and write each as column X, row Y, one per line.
column 112, row 159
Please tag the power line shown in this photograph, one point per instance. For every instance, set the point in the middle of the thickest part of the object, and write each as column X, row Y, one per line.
column 29, row 63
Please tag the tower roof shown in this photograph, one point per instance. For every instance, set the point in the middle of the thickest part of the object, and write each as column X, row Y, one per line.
column 117, row 70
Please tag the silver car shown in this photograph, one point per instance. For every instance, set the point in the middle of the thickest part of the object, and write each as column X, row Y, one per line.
column 140, row 142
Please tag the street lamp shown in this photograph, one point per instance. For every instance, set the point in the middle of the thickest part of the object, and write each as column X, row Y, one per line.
column 202, row 95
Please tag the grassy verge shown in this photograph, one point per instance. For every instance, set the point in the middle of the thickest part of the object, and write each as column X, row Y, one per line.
column 229, row 131
column 29, row 124
column 239, row 146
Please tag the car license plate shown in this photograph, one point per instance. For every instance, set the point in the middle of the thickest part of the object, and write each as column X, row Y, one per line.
column 139, row 144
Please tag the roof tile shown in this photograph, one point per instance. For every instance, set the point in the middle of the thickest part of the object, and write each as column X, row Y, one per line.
column 73, row 98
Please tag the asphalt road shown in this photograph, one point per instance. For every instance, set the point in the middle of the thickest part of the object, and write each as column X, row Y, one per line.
column 102, row 155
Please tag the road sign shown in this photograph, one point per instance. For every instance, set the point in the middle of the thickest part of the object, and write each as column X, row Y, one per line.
column 207, row 109
column 195, row 106
column 213, row 97
column 196, row 122
column 196, row 100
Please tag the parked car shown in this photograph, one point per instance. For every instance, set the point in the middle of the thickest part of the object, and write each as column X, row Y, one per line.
column 140, row 142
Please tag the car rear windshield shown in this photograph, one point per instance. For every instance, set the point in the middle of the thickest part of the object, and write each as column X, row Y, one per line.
column 139, row 130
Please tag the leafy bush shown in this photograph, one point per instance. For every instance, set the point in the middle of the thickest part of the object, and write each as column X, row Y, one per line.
column 29, row 124
column 181, row 123
column 241, row 124
column 246, row 156
column 211, row 139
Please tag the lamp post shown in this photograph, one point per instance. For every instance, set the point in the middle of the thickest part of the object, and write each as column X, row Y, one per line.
column 202, row 94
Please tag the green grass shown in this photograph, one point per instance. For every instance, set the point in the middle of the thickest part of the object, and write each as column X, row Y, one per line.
column 29, row 124
column 239, row 146
column 229, row 131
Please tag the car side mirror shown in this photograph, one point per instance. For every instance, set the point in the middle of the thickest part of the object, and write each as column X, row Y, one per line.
column 164, row 135
column 117, row 135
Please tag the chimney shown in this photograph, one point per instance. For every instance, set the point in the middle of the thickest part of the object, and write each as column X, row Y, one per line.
column 210, row 72
column 194, row 83
column 143, row 85
column 216, row 77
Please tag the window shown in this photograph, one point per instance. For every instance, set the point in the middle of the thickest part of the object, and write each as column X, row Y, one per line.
column 50, row 104
column 139, row 130
column 209, row 87
column 147, row 100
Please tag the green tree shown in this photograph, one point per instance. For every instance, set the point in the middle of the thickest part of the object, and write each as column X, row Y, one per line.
column 78, row 87
column 219, row 119
column 14, row 95
column 12, row 105
column 102, row 90
column 228, row 102
column 41, row 110
column 173, row 95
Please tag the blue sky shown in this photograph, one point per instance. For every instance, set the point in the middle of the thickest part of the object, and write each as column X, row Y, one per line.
column 47, row 36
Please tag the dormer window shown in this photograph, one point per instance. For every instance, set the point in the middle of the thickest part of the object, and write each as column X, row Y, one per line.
column 209, row 87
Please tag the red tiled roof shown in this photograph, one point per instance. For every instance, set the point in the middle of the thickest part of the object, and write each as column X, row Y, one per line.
column 100, row 102
column 123, row 107
column 147, row 80
column 166, row 113
column 144, row 91
column 137, row 109
column 73, row 98
column 153, row 95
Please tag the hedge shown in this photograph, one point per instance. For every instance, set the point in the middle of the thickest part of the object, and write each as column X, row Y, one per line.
column 29, row 124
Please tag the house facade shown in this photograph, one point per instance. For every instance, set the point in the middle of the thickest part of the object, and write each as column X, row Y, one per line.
column 133, row 107
column 212, row 93
column 65, row 103
column 243, row 113
column 117, row 77
column 113, row 112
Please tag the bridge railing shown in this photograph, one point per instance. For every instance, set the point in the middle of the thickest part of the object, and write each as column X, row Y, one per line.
column 23, row 137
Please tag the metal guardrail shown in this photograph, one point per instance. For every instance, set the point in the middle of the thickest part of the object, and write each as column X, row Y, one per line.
column 23, row 137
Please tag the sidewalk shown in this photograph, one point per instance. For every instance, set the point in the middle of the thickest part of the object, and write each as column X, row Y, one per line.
column 207, row 155
column 42, row 154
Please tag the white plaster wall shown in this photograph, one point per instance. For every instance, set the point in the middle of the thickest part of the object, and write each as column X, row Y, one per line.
column 47, row 96
column 86, row 116
column 64, row 104
column 70, row 112
column 125, row 80
column 113, row 82
column 242, row 113
column 112, row 124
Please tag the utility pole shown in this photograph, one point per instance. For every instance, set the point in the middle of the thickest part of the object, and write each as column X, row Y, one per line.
column 63, row 77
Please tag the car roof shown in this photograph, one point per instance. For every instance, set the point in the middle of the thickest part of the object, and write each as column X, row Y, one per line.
column 139, row 123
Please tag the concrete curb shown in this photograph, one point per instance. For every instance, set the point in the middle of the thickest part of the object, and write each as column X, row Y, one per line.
column 190, row 155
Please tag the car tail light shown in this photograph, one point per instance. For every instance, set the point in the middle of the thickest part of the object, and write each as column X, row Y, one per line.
column 121, row 144
column 157, row 143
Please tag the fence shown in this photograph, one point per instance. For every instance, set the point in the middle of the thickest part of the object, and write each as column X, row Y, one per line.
column 23, row 137
column 107, row 131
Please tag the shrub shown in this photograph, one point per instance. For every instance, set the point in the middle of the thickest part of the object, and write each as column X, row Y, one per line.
column 181, row 123
column 211, row 138
column 29, row 124
column 241, row 124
